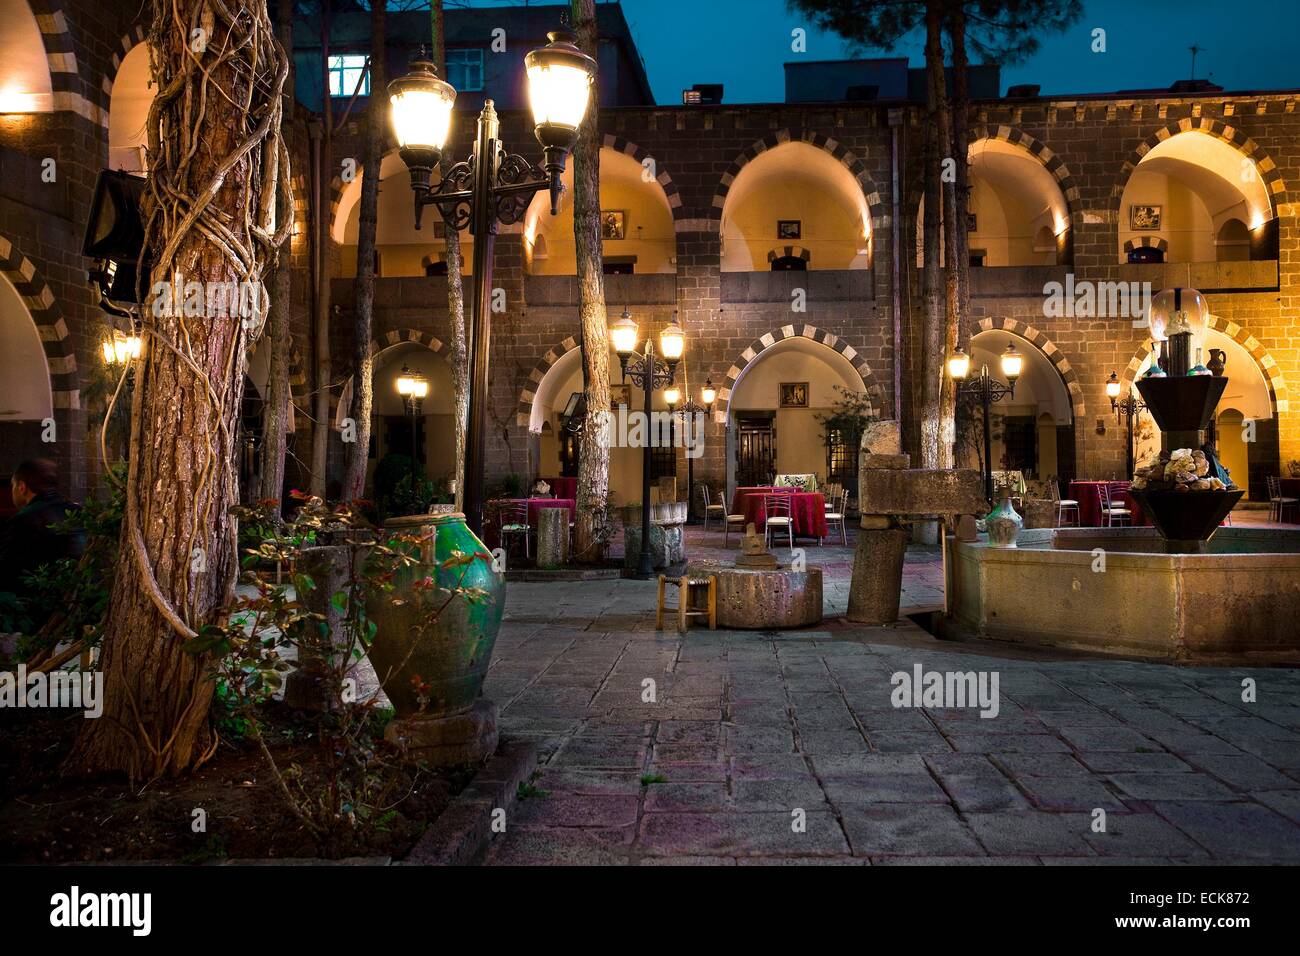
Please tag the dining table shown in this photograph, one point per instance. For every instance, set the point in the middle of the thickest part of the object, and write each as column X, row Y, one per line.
column 807, row 508
column 492, row 527
column 1088, row 494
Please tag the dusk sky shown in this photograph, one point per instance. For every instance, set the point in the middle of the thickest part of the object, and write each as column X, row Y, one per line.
column 743, row 44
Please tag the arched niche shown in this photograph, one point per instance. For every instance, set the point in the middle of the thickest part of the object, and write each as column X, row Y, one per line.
column 648, row 243
column 795, row 181
column 1033, row 431
column 402, row 249
column 1195, row 184
column 1019, row 214
column 25, row 85
column 128, row 112
column 25, row 392
column 798, row 445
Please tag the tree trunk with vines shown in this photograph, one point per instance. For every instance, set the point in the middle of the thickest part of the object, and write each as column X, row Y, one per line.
column 363, row 365
column 960, row 112
column 275, row 416
column 936, row 150
column 593, row 445
column 216, row 164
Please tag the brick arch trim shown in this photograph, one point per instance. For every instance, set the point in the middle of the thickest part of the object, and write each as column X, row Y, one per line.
column 1054, row 164
column 1273, row 377
column 1274, row 185
column 1038, row 340
column 61, row 55
column 528, row 393
column 722, row 407
column 781, row 252
column 386, row 341
column 43, row 307
column 125, row 44
column 1146, row 242
column 876, row 205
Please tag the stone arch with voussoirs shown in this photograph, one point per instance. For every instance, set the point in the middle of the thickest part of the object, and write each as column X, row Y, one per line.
column 1036, row 338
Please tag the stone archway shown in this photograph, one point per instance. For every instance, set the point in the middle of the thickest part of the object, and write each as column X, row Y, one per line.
column 528, row 393
column 1040, row 341
column 789, row 252
column 43, row 307
column 1146, row 242
column 379, row 344
column 1039, row 150
column 722, row 406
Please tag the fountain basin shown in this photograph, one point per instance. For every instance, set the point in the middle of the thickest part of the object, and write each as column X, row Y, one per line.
column 1238, row 603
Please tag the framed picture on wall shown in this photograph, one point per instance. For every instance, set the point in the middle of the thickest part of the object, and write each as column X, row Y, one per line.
column 972, row 223
column 794, row 394
column 613, row 223
column 1144, row 218
column 620, row 395
column 789, row 228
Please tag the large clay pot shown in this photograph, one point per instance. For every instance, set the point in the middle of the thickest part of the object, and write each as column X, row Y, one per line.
column 451, row 654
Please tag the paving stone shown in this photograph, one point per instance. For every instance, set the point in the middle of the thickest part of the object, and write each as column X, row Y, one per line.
column 1034, row 833
column 976, row 786
column 771, row 766
column 1285, row 802
column 687, row 753
column 1231, row 831
column 690, row 772
column 832, row 742
column 876, row 788
column 587, row 782
column 688, row 732
column 909, row 742
column 561, row 846
column 1171, row 786
column 829, row 766
column 577, row 810
column 739, row 834
column 1006, row 743
column 686, row 797
column 1243, row 772
column 1071, row 792
column 1133, row 835
column 757, row 795
column 925, row 831
column 611, row 753
column 1115, row 739
column 1118, row 762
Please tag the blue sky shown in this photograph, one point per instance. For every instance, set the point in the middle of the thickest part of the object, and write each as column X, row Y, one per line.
column 1249, row 45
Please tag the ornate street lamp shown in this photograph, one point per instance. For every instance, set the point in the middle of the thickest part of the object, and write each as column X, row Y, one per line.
column 489, row 188
column 1126, row 410
column 685, row 412
column 648, row 372
column 120, row 348
column 988, row 392
column 413, row 387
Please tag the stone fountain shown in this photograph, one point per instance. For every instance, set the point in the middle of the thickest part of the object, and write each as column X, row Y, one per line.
column 760, row 593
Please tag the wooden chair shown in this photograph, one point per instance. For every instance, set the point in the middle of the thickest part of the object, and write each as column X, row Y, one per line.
column 840, row 516
column 1063, row 505
column 777, row 508
column 696, row 597
column 1112, row 514
column 712, row 508
column 513, row 520
column 1277, row 502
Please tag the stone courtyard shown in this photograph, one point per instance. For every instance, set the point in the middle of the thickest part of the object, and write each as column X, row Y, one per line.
column 777, row 747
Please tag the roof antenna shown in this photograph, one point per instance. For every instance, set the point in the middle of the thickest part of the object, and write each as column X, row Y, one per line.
column 1195, row 50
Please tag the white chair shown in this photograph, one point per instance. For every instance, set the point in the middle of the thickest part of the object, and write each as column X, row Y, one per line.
column 1111, row 513
column 1063, row 505
column 777, row 508
column 1277, row 502
column 737, row 521
column 833, row 491
column 840, row 516
column 711, row 508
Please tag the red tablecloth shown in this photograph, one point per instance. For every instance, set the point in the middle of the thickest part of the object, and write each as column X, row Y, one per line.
column 1088, row 494
column 491, row 531
column 563, row 487
column 808, row 508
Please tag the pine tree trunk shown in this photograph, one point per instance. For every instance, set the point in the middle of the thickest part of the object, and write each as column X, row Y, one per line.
column 959, row 308
column 363, row 386
column 320, row 432
column 458, row 347
column 177, row 563
column 932, row 353
column 593, row 446
column 275, row 414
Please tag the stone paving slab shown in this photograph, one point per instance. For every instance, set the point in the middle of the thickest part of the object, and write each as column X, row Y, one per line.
column 745, row 734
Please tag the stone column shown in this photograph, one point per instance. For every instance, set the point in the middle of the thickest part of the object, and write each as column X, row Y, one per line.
column 877, row 573
column 552, row 537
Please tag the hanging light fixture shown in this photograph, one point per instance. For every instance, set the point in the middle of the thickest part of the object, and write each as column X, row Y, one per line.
column 959, row 364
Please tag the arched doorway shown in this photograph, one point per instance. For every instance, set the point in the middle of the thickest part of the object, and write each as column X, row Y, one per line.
column 795, row 191
column 1204, row 197
column 26, row 395
column 1031, row 432
column 1017, row 214
column 25, row 85
column 128, row 112
column 773, row 414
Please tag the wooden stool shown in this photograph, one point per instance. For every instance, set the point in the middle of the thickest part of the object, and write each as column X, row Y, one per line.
column 704, row 587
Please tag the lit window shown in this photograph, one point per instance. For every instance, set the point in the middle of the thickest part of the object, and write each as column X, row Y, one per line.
column 465, row 70
column 345, row 71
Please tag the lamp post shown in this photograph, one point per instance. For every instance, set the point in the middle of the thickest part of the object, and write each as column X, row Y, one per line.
column 647, row 372
column 1126, row 409
column 489, row 188
column 989, row 393
column 708, row 394
column 413, row 387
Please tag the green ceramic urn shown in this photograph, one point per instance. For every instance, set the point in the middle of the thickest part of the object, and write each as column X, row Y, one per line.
column 450, row 654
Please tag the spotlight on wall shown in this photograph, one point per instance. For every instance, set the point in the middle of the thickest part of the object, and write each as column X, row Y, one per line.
column 114, row 237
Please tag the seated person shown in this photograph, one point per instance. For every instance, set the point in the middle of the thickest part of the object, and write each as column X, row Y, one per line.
column 35, row 536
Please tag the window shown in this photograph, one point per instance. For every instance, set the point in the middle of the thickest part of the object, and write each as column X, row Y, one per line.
column 465, row 70
column 663, row 458
column 1145, row 254
column 789, row 264
column 841, row 458
column 345, row 70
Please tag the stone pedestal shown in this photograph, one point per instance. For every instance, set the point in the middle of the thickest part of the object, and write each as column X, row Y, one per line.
column 769, row 600
column 552, row 537
column 877, row 576
column 461, row 740
column 1038, row 512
